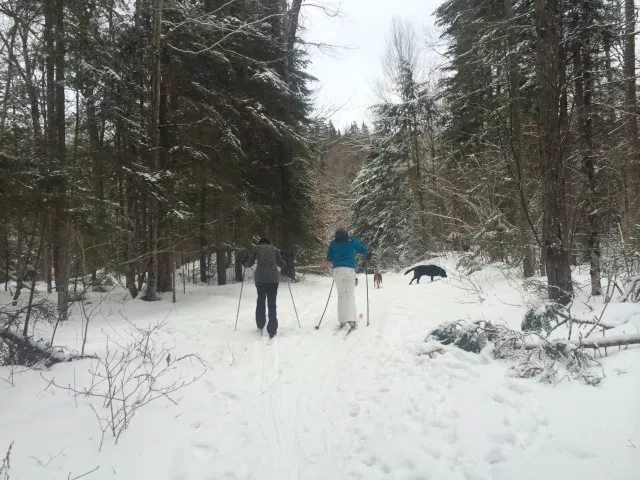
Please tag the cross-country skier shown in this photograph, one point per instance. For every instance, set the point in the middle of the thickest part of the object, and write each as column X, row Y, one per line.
column 342, row 255
column 266, row 278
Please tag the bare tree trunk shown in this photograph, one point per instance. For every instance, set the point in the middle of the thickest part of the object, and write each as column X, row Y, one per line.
column 49, row 39
column 583, row 93
column 7, row 87
column 516, row 148
column 41, row 150
column 239, row 258
column 98, row 176
column 285, row 156
column 41, row 247
column 7, row 264
column 221, row 266
column 63, row 227
column 130, row 196
column 20, row 262
column 32, row 91
column 56, row 141
column 173, row 274
column 142, row 229
column 203, row 229
column 46, row 254
column 131, row 235
column 632, row 164
column 156, row 81
column 166, row 263
column 549, row 75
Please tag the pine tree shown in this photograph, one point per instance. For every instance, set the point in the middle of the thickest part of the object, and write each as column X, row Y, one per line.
column 381, row 192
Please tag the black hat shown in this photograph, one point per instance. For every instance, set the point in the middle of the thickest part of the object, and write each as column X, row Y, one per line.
column 263, row 241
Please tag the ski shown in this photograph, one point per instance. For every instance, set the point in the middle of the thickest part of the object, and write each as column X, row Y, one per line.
column 352, row 327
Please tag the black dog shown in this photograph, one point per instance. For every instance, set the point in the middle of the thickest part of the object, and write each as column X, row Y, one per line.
column 428, row 270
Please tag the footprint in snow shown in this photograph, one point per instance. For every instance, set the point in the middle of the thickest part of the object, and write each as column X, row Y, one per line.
column 499, row 398
column 354, row 410
column 495, row 455
column 201, row 445
column 439, row 423
column 518, row 387
column 371, row 460
column 434, row 452
column 230, row 395
column 453, row 437
column 578, row 453
column 543, row 421
column 504, row 438
column 408, row 464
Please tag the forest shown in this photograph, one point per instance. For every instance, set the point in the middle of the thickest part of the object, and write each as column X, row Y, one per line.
column 140, row 137
column 150, row 150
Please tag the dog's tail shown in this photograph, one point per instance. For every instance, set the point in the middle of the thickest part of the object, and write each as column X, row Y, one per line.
column 410, row 270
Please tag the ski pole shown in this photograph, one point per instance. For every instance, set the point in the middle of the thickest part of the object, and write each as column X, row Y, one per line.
column 325, row 307
column 294, row 304
column 366, row 278
column 239, row 299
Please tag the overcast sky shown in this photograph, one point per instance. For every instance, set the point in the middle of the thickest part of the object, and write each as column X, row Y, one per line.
column 347, row 74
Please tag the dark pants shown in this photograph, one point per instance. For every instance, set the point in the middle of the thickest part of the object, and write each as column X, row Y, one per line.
column 268, row 292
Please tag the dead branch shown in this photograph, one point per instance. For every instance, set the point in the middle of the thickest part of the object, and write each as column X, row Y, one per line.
column 632, row 292
column 130, row 377
column 82, row 475
column 6, row 464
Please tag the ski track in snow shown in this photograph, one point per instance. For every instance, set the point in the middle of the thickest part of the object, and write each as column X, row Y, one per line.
column 312, row 405
column 367, row 407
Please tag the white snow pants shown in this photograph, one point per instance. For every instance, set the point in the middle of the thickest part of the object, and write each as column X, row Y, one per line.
column 345, row 279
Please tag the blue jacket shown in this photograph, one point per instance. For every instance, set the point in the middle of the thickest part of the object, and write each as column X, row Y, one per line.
column 343, row 253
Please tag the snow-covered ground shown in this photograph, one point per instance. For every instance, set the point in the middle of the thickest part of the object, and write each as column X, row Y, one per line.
column 313, row 405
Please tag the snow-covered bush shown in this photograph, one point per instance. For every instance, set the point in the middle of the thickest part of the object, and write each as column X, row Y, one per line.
column 531, row 354
column 16, row 349
column 470, row 337
column 540, row 319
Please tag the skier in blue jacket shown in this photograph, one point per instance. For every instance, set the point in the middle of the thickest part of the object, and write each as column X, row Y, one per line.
column 342, row 255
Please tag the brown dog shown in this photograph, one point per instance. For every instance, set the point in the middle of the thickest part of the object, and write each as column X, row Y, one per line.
column 377, row 280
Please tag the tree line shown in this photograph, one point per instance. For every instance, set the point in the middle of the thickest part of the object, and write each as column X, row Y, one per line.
column 138, row 136
column 135, row 136
column 523, row 144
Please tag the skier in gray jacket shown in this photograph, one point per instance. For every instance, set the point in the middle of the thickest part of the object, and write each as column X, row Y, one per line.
column 267, row 278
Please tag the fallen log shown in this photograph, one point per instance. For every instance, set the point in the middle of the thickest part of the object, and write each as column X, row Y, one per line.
column 31, row 353
column 610, row 341
column 603, row 342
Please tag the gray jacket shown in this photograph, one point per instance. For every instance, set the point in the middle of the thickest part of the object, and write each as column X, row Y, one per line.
column 269, row 259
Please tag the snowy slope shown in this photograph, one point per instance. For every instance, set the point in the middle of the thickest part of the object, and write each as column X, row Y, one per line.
column 311, row 405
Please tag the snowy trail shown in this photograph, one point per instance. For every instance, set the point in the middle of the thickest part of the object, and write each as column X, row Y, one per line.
column 367, row 407
column 311, row 404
